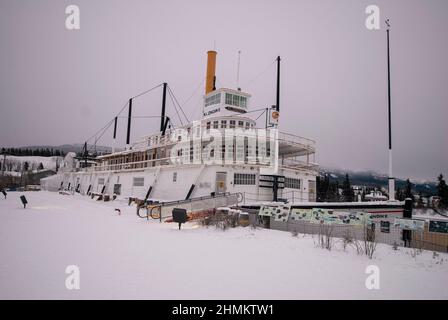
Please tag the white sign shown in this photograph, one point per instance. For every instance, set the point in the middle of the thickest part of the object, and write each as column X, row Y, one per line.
column 410, row 224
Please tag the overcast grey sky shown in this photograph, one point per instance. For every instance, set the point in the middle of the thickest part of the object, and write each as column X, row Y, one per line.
column 59, row 86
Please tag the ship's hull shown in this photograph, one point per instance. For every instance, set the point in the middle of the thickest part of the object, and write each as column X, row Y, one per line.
column 179, row 182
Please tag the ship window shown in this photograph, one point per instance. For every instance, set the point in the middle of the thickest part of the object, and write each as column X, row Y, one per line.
column 228, row 98
column 247, row 125
column 208, row 126
column 241, row 124
column 243, row 179
column 236, row 100
column 214, row 99
column 138, row 182
column 174, row 176
column 100, row 180
column 232, row 124
column 215, row 124
column 223, row 124
column 292, row 183
column 243, row 102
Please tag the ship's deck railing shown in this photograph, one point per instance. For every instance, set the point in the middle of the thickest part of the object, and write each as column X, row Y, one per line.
column 178, row 161
column 298, row 164
column 288, row 137
column 300, row 144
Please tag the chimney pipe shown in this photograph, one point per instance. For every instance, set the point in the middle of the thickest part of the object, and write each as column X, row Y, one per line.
column 211, row 70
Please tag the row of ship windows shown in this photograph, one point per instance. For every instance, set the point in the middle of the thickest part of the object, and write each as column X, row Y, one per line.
column 232, row 124
column 231, row 99
column 216, row 125
column 238, row 179
column 249, row 179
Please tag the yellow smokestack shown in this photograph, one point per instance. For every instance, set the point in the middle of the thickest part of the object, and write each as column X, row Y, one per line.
column 211, row 69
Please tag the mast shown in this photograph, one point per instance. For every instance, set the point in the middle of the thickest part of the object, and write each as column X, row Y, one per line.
column 128, row 136
column 162, row 118
column 238, row 72
column 278, row 84
column 115, row 134
column 85, row 154
column 391, row 179
column 275, row 185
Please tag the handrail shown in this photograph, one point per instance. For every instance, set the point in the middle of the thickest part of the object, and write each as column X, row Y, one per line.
column 219, row 195
column 239, row 198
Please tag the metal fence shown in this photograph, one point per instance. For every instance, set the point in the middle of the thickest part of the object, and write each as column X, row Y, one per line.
column 392, row 235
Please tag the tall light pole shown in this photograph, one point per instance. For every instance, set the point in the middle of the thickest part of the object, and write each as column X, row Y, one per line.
column 390, row 178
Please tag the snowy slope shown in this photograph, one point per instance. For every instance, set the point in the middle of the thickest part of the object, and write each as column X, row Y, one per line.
column 127, row 257
column 33, row 161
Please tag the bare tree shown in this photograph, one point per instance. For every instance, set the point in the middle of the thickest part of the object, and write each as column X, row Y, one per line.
column 325, row 235
column 369, row 239
column 347, row 239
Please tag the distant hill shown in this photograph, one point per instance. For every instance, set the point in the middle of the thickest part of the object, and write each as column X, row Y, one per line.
column 77, row 147
column 372, row 178
column 368, row 178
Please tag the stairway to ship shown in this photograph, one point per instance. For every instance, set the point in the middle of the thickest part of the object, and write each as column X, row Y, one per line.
column 163, row 210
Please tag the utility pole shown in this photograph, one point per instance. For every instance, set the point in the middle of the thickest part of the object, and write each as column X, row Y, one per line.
column 390, row 178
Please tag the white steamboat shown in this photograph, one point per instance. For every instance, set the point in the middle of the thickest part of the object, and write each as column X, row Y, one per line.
column 224, row 152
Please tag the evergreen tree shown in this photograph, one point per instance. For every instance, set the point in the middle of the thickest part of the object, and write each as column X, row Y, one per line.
column 420, row 203
column 26, row 166
column 400, row 194
column 347, row 191
column 442, row 191
column 408, row 191
column 41, row 166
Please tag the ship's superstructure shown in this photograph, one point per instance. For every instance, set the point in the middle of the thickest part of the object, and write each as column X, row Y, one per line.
column 223, row 152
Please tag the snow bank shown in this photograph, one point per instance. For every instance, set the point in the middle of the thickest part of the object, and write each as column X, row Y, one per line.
column 122, row 256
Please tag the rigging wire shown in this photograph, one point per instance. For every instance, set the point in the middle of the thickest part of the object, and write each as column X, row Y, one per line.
column 260, row 115
column 105, row 127
column 174, row 105
column 102, row 133
column 117, row 115
column 180, row 107
column 249, row 83
column 194, row 92
column 139, row 117
column 147, row 91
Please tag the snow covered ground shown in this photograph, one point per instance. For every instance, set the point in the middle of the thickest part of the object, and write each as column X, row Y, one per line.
column 122, row 256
